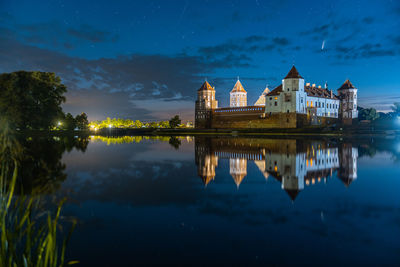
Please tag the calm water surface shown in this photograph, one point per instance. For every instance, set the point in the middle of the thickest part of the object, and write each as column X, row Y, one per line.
column 210, row 200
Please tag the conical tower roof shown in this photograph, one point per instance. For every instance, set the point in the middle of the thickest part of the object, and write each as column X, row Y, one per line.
column 238, row 87
column 206, row 87
column 293, row 73
column 261, row 100
column 346, row 85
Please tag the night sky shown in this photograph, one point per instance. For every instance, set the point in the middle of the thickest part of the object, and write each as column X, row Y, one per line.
column 146, row 59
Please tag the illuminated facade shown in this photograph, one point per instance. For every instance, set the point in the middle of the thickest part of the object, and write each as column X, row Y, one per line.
column 292, row 104
column 238, row 96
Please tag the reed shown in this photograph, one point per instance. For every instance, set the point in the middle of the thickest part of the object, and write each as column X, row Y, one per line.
column 28, row 236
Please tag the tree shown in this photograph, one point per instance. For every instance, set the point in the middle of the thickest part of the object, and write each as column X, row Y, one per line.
column 69, row 122
column 138, row 124
column 31, row 100
column 368, row 114
column 174, row 121
column 82, row 121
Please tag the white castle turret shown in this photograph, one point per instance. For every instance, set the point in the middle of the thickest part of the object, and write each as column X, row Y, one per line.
column 238, row 96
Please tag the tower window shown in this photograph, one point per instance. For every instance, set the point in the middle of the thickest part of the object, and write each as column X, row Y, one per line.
column 276, row 103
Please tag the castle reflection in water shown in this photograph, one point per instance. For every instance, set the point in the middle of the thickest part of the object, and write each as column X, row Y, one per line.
column 294, row 163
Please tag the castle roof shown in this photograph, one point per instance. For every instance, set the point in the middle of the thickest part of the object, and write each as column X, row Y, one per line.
column 293, row 73
column 238, row 87
column 206, row 87
column 311, row 91
column 346, row 85
column 319, row 92
column 276, row 91
column 261, row 100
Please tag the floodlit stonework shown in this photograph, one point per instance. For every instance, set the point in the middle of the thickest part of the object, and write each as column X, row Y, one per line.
column 293, row 104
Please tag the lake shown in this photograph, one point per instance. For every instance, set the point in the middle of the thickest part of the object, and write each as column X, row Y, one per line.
column 223, row 200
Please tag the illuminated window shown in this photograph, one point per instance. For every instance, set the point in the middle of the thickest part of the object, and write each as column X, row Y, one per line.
column 308, row 104
column 276, row 98
column 311, row 104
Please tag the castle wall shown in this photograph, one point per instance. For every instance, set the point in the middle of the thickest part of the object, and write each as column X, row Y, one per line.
column 250, row 117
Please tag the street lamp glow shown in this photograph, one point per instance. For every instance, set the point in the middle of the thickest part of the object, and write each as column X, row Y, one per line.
column 59, row 123
column 109, row 126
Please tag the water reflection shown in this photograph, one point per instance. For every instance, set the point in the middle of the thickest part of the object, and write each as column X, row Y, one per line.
column 41, row 169
column 293, row 162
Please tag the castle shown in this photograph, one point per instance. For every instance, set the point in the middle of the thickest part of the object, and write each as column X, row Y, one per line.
column 293, row 104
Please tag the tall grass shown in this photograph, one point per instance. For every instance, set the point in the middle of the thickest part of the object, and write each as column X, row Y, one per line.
column 27, row 239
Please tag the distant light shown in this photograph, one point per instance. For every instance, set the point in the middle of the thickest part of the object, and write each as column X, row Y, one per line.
column 59, row 123
column 109, row 126
column 92, row 126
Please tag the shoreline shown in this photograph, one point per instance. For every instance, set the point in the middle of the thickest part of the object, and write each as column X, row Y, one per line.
column 305, row 132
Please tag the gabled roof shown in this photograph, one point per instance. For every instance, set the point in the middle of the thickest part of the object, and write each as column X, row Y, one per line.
column 206, row 87
column 346, row 85
column 276, row 91
column 319, row 92
column 238, row 87
column 293, row 73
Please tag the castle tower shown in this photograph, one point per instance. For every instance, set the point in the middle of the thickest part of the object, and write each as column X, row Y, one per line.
column 348, row 102
column 238, row 96
column 293, row 81
column 292, row 93
column 204, row 104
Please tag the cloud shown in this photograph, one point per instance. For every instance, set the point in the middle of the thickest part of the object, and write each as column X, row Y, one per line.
column 366, row 50
column 54, row 34
column 239, row 51
column 87, row 32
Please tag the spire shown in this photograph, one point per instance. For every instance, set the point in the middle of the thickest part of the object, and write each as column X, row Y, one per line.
column 206, row 87
column 293, row 73
column 346, row 85
column 238, row 87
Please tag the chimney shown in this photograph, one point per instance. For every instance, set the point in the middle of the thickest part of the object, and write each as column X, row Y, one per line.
column 313, row 85
column 331, row 94
column 319, row 86
column 307, row 84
